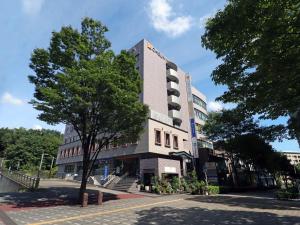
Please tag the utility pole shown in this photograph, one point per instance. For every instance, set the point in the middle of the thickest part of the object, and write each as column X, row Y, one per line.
column 40, row 167
column 52, row 161
column 18, row 165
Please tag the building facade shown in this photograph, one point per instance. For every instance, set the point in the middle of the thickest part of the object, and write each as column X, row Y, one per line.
column 294, row 157
column 172, row 132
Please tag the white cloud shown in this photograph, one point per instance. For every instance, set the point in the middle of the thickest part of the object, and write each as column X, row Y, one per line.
column 203, row 19
column 37, row 127
column 32, row 7
column 9, row 99
column 214, row 106
column 163, row 19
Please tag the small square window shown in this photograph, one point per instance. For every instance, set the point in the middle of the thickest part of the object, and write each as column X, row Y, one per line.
column 175, row 141
column 167, row 140
column 157, row 137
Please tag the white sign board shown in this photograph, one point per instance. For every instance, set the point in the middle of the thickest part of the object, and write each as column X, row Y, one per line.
column 170, row 169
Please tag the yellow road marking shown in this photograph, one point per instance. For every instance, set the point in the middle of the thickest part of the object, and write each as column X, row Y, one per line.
column 102, row 213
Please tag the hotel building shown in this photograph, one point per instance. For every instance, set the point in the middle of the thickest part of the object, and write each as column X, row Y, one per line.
column 172, row 134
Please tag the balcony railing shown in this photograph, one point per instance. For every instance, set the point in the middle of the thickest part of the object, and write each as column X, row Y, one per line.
column 175, row 114
column 172, row 75
column 174, row 101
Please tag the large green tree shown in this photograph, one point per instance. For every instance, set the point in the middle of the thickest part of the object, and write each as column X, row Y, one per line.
column 243, row 138
column 81, row 82
column 258, row 43
column 23, row 148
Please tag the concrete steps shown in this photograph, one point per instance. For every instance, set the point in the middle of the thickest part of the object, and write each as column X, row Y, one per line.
column 124, row 184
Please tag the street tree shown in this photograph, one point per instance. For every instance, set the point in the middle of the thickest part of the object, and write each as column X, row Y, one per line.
column 258, row 43
column 242, row 138
column 81, row 82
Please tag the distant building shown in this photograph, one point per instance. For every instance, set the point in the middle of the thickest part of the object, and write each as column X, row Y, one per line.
column 294, row 157
column 173, row 130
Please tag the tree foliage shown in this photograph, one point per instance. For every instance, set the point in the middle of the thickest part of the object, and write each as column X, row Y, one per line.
column 228, row 124
column 26, row 146
column 259, row 45
column 244, row 139
column 80, row 81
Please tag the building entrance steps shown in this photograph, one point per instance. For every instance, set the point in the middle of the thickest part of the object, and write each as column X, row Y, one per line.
column 124, row 183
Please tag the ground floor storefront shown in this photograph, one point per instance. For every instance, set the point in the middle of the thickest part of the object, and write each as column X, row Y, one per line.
column 141, row 166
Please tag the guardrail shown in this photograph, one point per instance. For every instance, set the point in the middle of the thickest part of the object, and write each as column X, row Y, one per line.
column 22, row 179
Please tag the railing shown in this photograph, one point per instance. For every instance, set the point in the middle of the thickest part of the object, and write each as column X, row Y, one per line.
column 22, row 179
column 108, row 179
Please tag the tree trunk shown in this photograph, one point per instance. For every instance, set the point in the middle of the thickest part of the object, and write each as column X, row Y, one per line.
column 85, row 170
column 82, row 189
column 233, row 172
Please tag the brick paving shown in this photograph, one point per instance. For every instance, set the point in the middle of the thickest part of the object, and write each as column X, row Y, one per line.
column 235, row 209
column 179, row 209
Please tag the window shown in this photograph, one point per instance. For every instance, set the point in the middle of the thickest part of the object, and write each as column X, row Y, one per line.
column 69, row 168
column 157, row 137
column 167, row 139
column 175, row 141
column 198, row 101
column 200, row 115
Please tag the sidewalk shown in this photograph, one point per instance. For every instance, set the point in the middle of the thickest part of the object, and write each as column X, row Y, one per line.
column 55, row 193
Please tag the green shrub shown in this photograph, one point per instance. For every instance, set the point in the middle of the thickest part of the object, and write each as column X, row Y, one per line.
column 197, row 187
column 213, row 189
column 286, row 195
column 290, row 193
column 176, row 184
column 184, row 185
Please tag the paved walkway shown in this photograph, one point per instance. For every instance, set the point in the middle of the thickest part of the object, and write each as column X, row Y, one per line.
column 235, row 209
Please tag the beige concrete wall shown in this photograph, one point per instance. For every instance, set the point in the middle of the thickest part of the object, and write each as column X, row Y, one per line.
column 162, row 149
column 140, row 147
column 169, row 166
column 154, row 81
column 160, row 165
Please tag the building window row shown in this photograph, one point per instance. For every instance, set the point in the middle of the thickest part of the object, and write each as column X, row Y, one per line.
column 204, row 144
column 167, row 139
column 72, row 139
column 200, row 115
column 69, row 168
column 76, row 151
column 198, row 101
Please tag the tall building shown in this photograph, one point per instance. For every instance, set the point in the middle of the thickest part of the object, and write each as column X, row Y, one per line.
column 172, row 132
column 294, row 157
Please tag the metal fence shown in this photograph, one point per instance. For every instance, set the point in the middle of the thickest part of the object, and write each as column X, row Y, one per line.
column 22, row 179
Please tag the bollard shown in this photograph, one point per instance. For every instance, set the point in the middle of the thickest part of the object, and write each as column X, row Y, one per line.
column 85, row 200
column 99, row 198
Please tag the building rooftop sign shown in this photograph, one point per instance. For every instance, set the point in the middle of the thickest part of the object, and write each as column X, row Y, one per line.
column 150, row 46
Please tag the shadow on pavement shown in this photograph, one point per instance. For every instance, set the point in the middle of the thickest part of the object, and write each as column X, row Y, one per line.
column 53, row 196
column 249, row 202
column 197, row 216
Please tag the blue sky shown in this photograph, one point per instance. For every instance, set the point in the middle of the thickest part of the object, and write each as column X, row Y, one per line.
column 173, row 26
